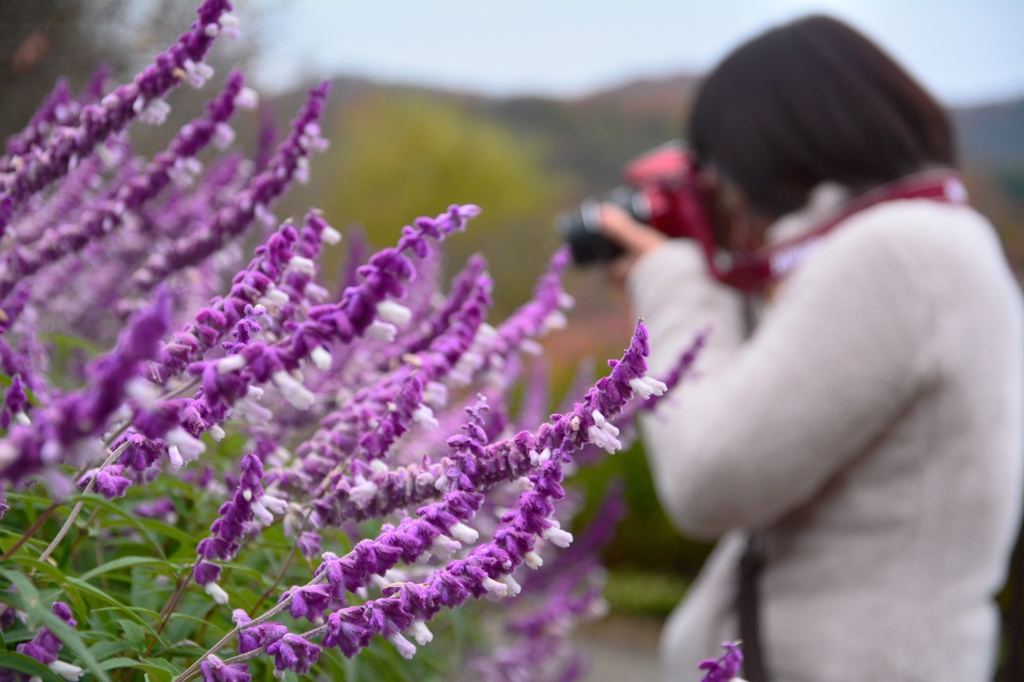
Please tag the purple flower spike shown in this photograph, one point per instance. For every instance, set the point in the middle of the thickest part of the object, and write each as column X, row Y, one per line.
column 42, row 166
column 294, row 653
column 724, row 668
column 215, row 670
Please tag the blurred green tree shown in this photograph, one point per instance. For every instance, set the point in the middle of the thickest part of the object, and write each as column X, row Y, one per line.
column 399, row 155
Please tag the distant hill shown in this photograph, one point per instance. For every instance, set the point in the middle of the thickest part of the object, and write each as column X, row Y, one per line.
column 592, row 136
column 992, row 135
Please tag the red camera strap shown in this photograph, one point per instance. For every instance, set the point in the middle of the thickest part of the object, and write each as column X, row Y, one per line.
column 754, row 270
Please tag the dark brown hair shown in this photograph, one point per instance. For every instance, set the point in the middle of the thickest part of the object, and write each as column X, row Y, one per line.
column 811, row 101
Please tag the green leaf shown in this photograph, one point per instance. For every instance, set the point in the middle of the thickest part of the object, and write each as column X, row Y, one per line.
column 170, row 531
column 133, row 634
column 131, row 520
column 159, row 670
column 121, row 662
column 10, row 660
column 122, row 563
column 72, row 641
column 100, row 594
column 30, row 600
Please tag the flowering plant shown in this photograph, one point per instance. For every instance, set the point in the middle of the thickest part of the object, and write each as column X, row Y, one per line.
column 292, row 473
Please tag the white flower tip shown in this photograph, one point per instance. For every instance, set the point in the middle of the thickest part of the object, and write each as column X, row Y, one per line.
column 406, row 648
column 231, row 363
column 533, row 560
column 217, row 433
column 247, row 98
column 425, row 416
column 274, row 504
column 514, row 588
column 382, row 331
column 177, row 461
column 443, row 546
column 645, row 387
column 321, row 358
column 495, row 589
column 261, row 513
column 292, row 390
column 558, row 537
column 363, row 493
column 217, row 592
column 463, row 533
column 301, row 265
column 66, row 670
column 420, row 632
column 330, row 236
column 143, row 392
column 531, row 347
column 395, row 313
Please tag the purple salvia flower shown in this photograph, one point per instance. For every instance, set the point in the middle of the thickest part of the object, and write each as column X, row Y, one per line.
column 215, row 670
column 42, row 166
column 15, row 403
column 22, row 262
column 41, row 123
column 108, row 481
column 45, row 646
column 58, row 434
column 294, row 653
column 232, row 221
column 725, row 668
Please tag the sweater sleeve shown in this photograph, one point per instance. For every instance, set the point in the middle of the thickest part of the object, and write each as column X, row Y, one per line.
column 766, row 422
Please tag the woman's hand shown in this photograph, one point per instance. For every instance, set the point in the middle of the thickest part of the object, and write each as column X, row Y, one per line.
column 636, row 238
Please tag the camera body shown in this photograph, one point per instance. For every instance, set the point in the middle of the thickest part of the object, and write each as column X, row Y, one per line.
column 662, row 191
column 665, row 192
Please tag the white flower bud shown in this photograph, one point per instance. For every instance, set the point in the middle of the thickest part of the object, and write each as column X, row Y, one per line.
column 463, row 533
column 514, row 588
column 406, row 648
column 66, row 670
column 395, row 313
column 443, row 546
column 231, row 363
column 217, row 433
column 425, row 416
column 247, row 98
column 321, row 358
column 142, row 392
column 495, row 589
column 293, row 391
column 330, row 236
column 217, row 592
column 558, row 537
column 382, row 331
column 420, row 632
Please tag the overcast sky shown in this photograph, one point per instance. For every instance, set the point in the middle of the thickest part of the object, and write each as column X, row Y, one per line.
column 965, row 51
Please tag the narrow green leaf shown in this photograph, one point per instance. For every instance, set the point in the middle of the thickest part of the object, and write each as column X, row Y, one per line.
column 171, row 532
column 128, row 518
column 30, row 600
column 122, row 563
column 113, row 663
column 100, row 594
column 72, row 641
column 10, row 660
column 133, row 634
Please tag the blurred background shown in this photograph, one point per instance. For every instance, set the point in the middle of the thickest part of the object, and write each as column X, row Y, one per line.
column 525, row 108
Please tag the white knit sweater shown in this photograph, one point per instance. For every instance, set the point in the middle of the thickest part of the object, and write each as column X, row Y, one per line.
column 871, row 427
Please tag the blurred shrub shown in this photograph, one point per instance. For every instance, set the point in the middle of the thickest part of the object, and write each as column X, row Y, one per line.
column 394, row 154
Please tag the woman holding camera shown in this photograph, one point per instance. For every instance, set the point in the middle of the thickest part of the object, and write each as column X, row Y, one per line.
column 854, row 433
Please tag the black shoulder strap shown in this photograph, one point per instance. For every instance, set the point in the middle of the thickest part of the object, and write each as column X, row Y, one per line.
column 1013, row 618
column 748, row 606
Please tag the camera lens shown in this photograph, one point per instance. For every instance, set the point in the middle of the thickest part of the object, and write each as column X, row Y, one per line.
column 581, row 227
